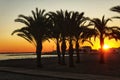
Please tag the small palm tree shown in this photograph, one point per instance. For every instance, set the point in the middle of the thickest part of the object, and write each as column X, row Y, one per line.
column 116, row 9
column 35, row 31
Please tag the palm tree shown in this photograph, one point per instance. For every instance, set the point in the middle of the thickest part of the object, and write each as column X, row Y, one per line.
column 35, row 31
column 76, row 29
column 63, row 32
column 101, row 30
column 116, row 9
column 59, row 32
column 69, row 22
column 78, row 23
column 75, row 26
column 81, row 35
column 55, row 32
column 73, row 20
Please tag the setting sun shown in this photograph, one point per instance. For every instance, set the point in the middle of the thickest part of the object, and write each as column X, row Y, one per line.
column 106, row 46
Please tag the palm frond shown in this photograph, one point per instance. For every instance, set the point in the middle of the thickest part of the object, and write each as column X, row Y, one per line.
column 84, row 40
column 42, row 12
column 34, row 15
column 117, row 17
column 24, row 36
column 22, row 21
column 107, row 21
column 116, row 9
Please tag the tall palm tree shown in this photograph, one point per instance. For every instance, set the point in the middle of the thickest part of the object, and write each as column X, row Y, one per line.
column 74, row 23
column 63, row 32
column 59, row 31
column 116, row 9
column 69, row 22
column 35, row 31
column 74, row 19
column 78, row 21
column 55, row 32
column 76, row 28
column 101, row 31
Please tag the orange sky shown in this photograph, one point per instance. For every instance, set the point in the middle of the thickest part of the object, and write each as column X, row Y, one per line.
column 92, row 9
column 23, row 46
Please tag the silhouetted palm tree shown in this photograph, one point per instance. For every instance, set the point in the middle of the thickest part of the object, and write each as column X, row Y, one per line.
column 77, row 23
column 116, row 9
column 101, row 30
column 74, row 22
column 59, row 31
column 76, row 29
column 55, row 32
column 35, row 31
column 63, row 31
column 74, row 19
column 70, row 25
column 81, row 35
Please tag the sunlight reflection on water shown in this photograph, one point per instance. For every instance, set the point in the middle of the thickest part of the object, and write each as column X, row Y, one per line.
column 21, row 56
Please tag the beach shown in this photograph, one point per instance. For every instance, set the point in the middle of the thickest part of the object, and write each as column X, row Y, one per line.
column 89, row 64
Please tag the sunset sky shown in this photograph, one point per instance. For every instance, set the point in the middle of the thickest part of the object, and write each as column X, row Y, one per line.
column 10, row 9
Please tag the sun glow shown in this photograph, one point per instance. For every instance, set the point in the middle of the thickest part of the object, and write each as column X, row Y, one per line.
column 106, row 46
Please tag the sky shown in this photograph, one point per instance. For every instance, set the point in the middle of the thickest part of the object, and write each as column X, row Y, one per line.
column 10, row 9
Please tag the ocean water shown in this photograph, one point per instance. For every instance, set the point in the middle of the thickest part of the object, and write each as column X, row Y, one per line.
column 7, row 56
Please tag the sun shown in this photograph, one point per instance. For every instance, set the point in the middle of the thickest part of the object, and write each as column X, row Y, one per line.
column 106, row 46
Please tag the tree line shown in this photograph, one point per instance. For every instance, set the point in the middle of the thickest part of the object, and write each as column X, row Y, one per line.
column 65, row 26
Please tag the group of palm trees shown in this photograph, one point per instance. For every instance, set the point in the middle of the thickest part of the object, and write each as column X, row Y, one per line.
column 65, row 26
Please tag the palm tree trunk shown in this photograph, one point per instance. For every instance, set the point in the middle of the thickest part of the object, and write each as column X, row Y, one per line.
column 77, row 52
column 71, row 63
column 63, row 48
column 102, row 60
column 38, row 53
column 58, row 52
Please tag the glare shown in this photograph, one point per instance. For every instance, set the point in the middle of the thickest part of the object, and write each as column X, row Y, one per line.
column 106, row 47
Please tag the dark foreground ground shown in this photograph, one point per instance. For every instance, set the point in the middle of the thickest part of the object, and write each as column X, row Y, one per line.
column 89, row 65
column 14, row 76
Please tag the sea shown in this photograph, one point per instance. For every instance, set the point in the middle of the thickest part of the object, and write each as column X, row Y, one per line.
column 8, row 56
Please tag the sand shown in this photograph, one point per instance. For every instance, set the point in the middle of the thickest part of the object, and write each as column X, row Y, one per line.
column 89, row 64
